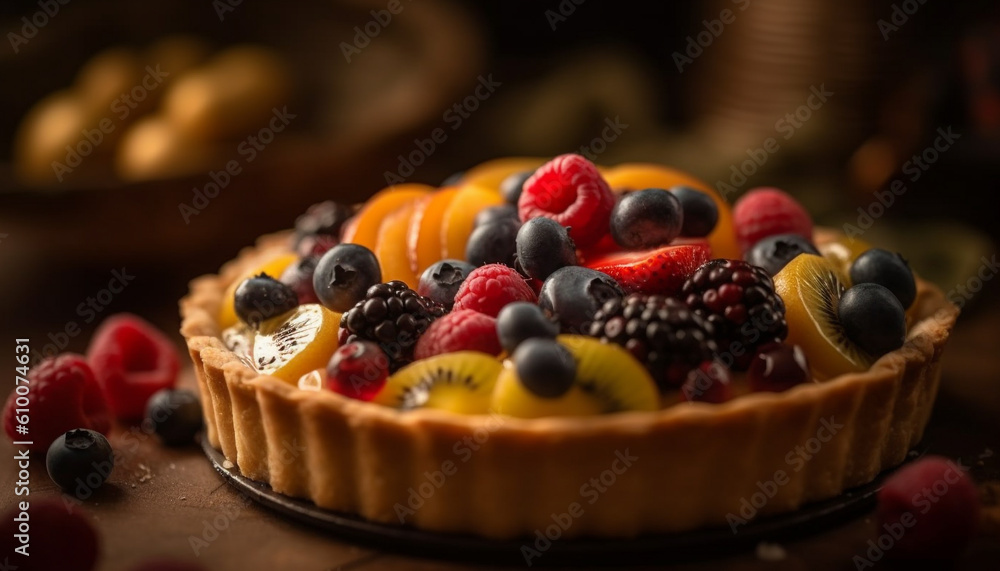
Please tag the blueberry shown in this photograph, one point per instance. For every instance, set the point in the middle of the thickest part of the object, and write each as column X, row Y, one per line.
column 774, row 252
column 523, row 320
column 262, row 297
column 544, row 246
column 344, row 274
column 493, row 214
column 887, row 269
column 440, row 281
column 175, row 416
column 646, row 219
column 574, row 294
column 493, row 243
column 512, row 186
column 545, row 367
column 700, row 212
column 80, row 458
column 873, row 318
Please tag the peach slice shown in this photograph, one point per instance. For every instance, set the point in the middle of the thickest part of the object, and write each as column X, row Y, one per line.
column 390, row 247
column 636, row 176
column 491, row 173
column 273, row 267
column 460, row 217
column 368, row 221
column 423, row 238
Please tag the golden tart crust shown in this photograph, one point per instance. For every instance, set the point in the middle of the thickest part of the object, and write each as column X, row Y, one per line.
column 688, row 466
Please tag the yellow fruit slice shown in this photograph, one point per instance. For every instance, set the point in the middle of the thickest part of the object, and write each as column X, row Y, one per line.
column 390, row 247
column 490, row 174
column 460, row 382
column 293, row 344
column 363, row 229
column 637, row 176
column 460, row 216
column 423, row 240
column 811, row 287
column 608, row 379
column 273, row 267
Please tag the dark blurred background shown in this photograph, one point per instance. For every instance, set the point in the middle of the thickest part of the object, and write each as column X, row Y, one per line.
column 699, row 85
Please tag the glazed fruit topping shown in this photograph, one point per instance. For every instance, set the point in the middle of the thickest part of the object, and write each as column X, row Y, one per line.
column 440, row 282
column 574, row 294
column 569, row 190
column 262, row 297
column 460, row 330
column 930, row 508
column 521, row 320
column 646, row 219
column 461, row 382
column 546, row 368
column 393, row 316
column 778, row 367
column 320, row 226
column 80, row 461
column 494, row 214
column 661, row 332
column 764, row 212
column 544, row 246
column 739, row 300
column 299, row 277
column 131, row 360
column 774, row 252
column 291, row 345
column 175, row 416
column 661, row 271
column 886, row 269
column 489, row 288
column 344, row 274
column 357, row 370
column 700, row 213
column 493, row 243
column 64, row 392
column 709, row 382
column 873, row 318
column 512, row 186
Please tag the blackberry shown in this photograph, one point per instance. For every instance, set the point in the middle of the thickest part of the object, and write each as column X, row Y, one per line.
column 393, row 316
column 661, row 332
column 739, row 300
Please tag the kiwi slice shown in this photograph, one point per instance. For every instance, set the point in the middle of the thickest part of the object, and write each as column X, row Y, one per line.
column 295, row 343
column 608, row 379
column 811, row 287
column 461, row 382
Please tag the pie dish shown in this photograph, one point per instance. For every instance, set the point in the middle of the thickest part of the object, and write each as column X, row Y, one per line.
column 678, row 468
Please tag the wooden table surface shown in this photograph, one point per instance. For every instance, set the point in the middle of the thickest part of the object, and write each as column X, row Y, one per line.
column 169, row 502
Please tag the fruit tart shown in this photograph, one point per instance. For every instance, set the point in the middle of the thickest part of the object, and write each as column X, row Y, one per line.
column 543, row 338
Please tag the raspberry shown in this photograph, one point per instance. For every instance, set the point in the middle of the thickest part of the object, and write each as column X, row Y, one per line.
column 131, row 360
column 461, row 330
column 569, row 190
column 62, row 537
column 930, row 509
column 488, row 288
column 62, row 395
column 764, row 212
column 661, row 332
column 739, row 300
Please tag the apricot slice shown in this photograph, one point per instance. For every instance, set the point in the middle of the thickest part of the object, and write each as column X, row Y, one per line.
column 363, row 230
column 273, row 267
column 637, row 176
column 491, row 173
column 390, row 247
column 423, row 239
column 460, row 217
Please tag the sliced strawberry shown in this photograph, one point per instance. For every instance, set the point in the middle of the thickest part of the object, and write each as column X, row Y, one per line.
column 131, row 360
column 604, row 247
column 660, row 271
column 569, row 190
